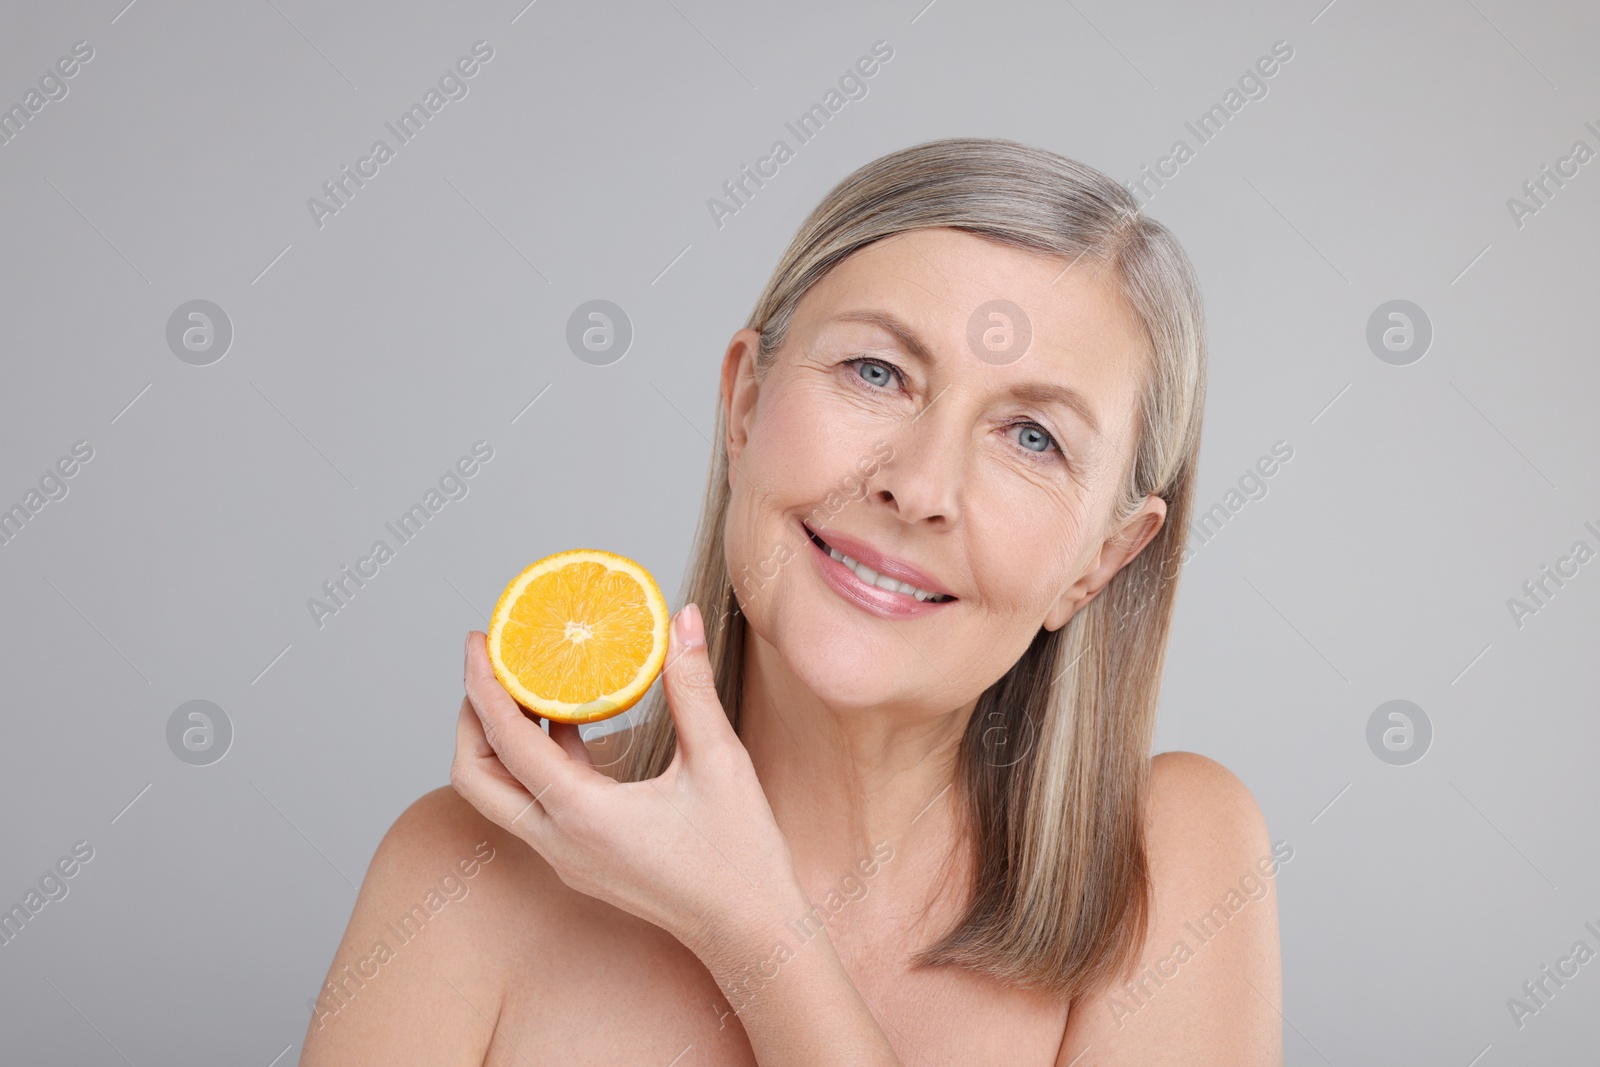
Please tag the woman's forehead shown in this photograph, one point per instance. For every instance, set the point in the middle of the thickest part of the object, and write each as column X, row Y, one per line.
column 943, row 276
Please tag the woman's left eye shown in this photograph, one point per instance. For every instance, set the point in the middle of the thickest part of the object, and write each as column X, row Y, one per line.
column 1034, row 438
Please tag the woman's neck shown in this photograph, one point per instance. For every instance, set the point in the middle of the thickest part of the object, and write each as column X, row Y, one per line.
column 844, row 782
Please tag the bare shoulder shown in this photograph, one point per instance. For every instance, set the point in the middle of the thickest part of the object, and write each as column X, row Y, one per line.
column 1199, row 808
column 420, row 972
column 1207, row 987
column 442, row 832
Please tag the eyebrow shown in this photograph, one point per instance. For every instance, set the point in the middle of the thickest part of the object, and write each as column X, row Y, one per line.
column 1032, row 392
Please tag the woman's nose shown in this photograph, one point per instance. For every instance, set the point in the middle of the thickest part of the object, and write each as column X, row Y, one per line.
column 924, row 476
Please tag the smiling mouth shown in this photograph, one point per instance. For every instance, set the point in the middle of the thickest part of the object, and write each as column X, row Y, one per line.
column 872, row 577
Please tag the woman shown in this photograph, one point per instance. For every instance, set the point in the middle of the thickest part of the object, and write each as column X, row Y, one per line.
column 899, row 806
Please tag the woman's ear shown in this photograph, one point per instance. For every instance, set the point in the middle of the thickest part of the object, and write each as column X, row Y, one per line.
column 1126, row 542
column 739, row 388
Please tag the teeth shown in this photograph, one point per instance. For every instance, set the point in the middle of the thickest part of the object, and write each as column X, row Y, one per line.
column 883, row 581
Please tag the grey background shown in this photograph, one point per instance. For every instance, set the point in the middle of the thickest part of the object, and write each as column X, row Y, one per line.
column 369, row 354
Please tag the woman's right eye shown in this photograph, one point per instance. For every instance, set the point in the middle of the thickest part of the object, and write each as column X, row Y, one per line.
column 875, row 371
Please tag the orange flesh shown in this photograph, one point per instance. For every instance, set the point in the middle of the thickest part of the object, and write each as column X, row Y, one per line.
column 578, row 631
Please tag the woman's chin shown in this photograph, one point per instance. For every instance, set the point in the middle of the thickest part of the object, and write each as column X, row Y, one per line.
column 842, row 669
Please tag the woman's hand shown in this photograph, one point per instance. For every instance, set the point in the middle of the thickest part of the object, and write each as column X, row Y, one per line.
column 696, row 851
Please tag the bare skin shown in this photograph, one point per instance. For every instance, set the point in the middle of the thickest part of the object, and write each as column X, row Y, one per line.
column 614, row 919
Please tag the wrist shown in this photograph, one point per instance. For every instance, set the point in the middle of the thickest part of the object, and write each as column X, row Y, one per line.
column 760, row 932
column 780, row 973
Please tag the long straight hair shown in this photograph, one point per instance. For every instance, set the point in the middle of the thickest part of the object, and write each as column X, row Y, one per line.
column 1060, row 893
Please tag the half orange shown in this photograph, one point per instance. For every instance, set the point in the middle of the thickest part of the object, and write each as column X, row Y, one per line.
column 579, row 636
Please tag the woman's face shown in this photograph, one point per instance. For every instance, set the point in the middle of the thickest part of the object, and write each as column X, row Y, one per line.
column 904, row 425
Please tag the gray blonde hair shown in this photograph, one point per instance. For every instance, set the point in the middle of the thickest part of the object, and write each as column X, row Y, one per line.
column 1060, row 893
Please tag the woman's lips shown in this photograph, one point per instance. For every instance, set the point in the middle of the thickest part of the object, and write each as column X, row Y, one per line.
column 883, row 603
column 877, row 562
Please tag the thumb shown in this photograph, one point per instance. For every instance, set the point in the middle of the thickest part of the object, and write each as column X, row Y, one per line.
column 691, row 686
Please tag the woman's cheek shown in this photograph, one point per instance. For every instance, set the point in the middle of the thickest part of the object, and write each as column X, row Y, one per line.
column 810, row 450
column 1030, row 548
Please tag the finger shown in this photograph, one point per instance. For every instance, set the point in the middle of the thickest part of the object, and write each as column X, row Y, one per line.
column 691, row 686
column 530, row 755
column 567, row 736
column 483, row 781
column 470, row 742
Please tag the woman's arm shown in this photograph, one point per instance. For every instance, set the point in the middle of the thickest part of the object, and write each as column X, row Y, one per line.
column 793, row 996
column 1208, row 989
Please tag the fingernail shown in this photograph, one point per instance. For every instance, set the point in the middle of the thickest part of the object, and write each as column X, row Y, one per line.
column 691, row 628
